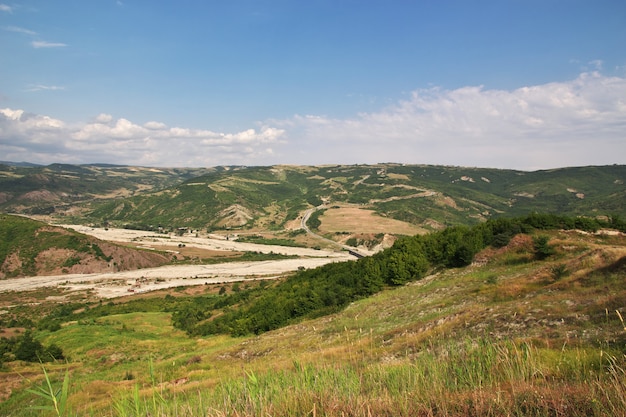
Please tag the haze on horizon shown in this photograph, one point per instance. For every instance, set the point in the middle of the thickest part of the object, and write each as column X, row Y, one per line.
column 505, row 84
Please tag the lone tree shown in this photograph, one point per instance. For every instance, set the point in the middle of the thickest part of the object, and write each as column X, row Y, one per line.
column 542, row 248
column 28, row 349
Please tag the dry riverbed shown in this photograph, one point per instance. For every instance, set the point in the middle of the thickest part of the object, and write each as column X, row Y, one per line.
column 118, row 284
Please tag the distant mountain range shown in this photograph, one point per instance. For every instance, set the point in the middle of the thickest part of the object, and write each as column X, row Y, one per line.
column 19, row 164
column 273, row 197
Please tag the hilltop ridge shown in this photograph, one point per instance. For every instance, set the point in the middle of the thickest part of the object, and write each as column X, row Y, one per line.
column 271, row 196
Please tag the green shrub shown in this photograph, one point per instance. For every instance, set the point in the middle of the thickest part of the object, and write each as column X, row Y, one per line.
column 71, row 261
column 542, row 247
column 53, row 352
column 559, row 271
column 28, row 349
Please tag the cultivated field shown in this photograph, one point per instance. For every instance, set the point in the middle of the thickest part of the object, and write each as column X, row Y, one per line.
column 363, row 221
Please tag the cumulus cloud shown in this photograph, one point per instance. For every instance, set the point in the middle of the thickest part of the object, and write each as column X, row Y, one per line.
column 43, row 139
column 42, row 135
column 155, row 125
column 44, row 44
column 572, row 123
column 104, row 118
column 579, row 122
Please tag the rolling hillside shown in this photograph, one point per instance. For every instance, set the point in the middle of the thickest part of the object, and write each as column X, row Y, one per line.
column 430, row 197
column 272, row 198
column 61, row 188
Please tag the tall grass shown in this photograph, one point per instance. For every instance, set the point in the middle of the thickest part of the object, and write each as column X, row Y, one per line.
column 55, row 399
column 474, row 377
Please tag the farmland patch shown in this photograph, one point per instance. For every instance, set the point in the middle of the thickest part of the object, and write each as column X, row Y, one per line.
column 358, row 220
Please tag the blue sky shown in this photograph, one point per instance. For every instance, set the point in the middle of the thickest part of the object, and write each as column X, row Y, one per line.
column 510, row 84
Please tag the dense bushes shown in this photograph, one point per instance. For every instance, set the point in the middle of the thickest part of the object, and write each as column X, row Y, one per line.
column 26, row 348
column 309, row 293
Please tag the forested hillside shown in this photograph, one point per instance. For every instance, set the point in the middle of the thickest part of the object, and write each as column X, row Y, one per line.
column 328, row 289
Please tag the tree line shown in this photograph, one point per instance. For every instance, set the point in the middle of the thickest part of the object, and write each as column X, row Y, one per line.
column 328, row 289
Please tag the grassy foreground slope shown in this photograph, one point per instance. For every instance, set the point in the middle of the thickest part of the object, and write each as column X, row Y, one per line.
column 517, row 332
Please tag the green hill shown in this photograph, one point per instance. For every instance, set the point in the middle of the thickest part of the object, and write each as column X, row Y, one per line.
column 269, row 198
column 486, row 315
column 57, row 188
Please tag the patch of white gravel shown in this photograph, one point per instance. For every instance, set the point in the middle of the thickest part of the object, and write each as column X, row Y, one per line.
column 211, row 242
column 118, row 284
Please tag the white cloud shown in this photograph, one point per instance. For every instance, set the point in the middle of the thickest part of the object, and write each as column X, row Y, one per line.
column 11, row 114
column 21, row 120
column 104, row 118
column 41, row 87
column 44, row 44
column 5, row 8
column 578, row 122
column 155, row 125
column 597, row 64
column 20, row 30
column 41, row 140
column 572, row 123
column 106, row 139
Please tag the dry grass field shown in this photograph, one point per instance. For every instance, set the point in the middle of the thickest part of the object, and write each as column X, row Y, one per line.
column 360, row 221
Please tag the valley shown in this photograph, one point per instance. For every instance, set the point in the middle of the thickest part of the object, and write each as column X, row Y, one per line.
column 335, row 290
column 119, row 284
column 510, row 330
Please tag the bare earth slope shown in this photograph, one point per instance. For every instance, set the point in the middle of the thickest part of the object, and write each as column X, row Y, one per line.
column 31, row 248
column 133, row 270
